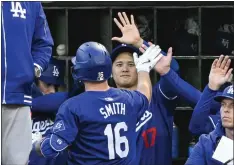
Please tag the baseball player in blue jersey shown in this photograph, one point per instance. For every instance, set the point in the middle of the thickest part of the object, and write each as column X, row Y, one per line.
column 206, row 113
column 42, row 121
column 203, row 151
column 154, row 144
column 99, row 125
column 26, row 47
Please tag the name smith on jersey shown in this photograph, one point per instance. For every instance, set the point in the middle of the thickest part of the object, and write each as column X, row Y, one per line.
column 113, row 109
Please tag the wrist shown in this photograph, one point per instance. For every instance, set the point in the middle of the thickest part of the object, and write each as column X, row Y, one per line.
column 138, row 43
column 164, row 71
column 213, row 86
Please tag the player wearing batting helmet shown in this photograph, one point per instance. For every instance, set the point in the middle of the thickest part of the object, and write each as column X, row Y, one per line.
column 99, row 125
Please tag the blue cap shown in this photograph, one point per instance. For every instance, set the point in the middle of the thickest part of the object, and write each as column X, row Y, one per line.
column 123, row 48
column 54, row 74
column 226, row 94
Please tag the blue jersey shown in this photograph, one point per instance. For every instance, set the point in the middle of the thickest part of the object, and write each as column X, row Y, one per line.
column 155, row 138
column 99, row 127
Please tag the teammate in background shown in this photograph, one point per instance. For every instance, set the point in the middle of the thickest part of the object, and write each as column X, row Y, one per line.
column 26, row 50
column 99, row 125
column 204, row 149
column 204, row 117
column 154, row 144
column 47, row 83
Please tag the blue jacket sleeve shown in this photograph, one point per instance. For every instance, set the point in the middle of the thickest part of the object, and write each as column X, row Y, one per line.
column 172, row 85
column 198, row 154
column 42, row 41
column 49, row 103
column 201, row 121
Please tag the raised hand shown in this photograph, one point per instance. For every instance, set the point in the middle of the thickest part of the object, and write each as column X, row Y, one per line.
column 163, row 64
column 130, row 33
column 220, row 72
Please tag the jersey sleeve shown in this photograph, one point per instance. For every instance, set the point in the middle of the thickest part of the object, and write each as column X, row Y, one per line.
column 42, row 41
column 65, row 128
column 171, row 85
column 201, row 120
column 140, row 102
column 49, row 103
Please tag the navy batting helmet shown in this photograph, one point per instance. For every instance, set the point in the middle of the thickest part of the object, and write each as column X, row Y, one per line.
column 92, row 63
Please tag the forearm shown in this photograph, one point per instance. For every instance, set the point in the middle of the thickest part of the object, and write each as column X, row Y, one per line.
column 173, row 85
column 201, row 111
column 49, row 103
column 144, row 85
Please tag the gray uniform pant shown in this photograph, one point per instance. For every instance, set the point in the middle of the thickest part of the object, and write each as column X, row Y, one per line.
column 16, row 134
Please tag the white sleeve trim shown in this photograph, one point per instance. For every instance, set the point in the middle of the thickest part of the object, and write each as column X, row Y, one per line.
column 168, row 98
column 38, row 66
column 212, row 122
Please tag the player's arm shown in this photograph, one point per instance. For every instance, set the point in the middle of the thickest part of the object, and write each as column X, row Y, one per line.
column 49, row 103
column 42, row 41
column 143, row 65
column 219, row 74
column 172, row 86
column 200, row 118
column 63, row 133
column 198, row 155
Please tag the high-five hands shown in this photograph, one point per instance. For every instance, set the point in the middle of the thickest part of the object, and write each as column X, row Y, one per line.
column 163, row 63
column 149, row 58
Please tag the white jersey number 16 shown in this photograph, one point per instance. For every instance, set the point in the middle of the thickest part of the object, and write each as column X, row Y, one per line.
column 116, row 148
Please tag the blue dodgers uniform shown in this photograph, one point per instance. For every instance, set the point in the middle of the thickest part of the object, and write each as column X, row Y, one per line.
column 206, row 113
column 155, row 138
column 25, row 40
column 154, row 141
column 99, row 127
column 42, row 121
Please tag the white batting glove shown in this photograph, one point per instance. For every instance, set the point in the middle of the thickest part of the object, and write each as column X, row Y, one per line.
column 149, row 58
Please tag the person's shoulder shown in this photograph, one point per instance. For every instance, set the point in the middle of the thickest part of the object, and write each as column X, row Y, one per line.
column 206, row 139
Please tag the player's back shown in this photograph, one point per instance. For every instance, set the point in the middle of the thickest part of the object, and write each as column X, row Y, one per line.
column 106, row 127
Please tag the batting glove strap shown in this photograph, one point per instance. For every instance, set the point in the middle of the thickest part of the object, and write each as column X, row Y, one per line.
column 47, row 150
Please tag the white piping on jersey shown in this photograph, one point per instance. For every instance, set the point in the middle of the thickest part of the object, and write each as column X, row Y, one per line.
column 45, row 28
column 38, row 66
column 173, row 98
column 61, row 149
column 212, row 122
column 4, row 41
